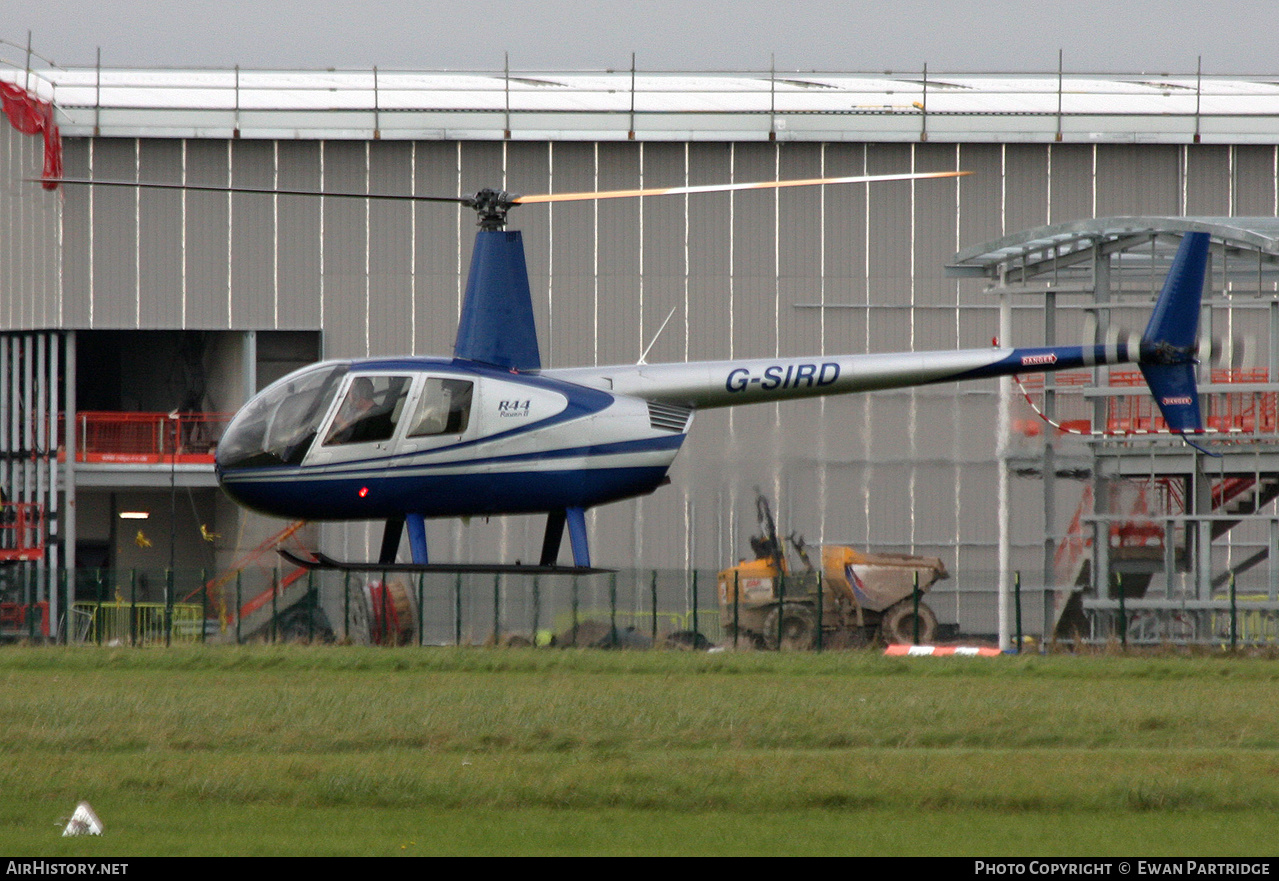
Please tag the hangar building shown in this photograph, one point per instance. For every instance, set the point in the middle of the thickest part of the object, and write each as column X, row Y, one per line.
column 168, row 308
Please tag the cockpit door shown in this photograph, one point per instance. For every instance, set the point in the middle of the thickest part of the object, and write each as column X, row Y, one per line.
column 440, row 413
column 363, row 424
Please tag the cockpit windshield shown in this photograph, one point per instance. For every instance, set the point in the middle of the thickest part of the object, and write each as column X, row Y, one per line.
column 278, row 426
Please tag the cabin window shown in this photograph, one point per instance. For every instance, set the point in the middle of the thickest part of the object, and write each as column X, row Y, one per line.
column 370, row 411
column 443, row 408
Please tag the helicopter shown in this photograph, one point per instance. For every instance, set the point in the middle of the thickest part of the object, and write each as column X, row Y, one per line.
column 490, row 432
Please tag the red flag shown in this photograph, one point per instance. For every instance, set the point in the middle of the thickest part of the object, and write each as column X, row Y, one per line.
column 31, row 116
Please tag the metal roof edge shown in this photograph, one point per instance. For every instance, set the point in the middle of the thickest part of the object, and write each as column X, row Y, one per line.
column 656, row 105
column 1255, row 233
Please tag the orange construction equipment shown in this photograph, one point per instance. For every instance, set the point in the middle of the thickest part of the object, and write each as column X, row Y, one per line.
column 853, row 596
column 21, row 532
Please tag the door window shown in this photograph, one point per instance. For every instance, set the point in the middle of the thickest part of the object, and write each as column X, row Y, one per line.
column 443, row 408
column 370, row 411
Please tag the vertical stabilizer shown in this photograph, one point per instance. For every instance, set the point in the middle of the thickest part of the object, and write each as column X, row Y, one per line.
column 1168, row 345
column 497, row 324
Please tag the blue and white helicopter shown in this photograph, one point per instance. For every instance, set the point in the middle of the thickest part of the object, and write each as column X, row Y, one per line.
column 490, row 432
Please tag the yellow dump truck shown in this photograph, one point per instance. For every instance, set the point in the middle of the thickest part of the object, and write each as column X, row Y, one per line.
column 851, row 597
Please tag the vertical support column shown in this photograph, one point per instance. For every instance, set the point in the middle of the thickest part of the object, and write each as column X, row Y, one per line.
column 1101, row 406
column 6, row 406
column 1272, row 564
column 248, row 385
column 53, row 556
column 1048, row 469
column 1273, row 365
column 68, row 474
column 8, row 415
column 22, row 413
column 1202, row 494
column 1049, row 465
column 27, row 441
column 249, row 364
column 40, row 461
column 1101, row 579
column 1001, row 446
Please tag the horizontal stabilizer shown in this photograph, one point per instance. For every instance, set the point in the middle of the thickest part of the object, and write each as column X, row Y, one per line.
column 1173, row 388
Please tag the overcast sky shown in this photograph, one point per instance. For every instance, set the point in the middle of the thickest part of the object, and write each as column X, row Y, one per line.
column 1129, row 36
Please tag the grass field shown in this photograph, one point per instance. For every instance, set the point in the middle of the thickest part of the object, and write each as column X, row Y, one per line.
column 348, row 750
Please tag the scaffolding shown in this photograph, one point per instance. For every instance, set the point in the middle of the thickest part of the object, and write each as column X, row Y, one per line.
column 1169, row 539
column 30, row 483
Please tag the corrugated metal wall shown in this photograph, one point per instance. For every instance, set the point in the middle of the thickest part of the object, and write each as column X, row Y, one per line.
column 30, row 244
column 748, row 275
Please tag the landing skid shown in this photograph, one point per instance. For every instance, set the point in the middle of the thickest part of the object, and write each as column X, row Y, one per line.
column 320, row 560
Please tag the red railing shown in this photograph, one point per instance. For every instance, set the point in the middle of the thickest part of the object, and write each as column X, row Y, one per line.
column 1237, row 413
column 1233, row 412
column 147, row 438
column 1248, row 412
column 21, row 532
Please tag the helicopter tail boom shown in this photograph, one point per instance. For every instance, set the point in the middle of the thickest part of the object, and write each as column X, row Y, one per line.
column 1165, row 353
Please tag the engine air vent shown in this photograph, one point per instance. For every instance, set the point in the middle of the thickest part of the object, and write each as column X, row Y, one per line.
column 668, row 417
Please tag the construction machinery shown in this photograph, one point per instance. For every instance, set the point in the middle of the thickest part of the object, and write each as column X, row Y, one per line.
column 849, row 597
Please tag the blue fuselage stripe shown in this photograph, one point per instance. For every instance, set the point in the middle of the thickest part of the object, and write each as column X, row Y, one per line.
column 1038, row 360
column 290, row 473
column 446, row 495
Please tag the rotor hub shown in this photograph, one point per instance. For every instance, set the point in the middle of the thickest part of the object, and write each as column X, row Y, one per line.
column 491, row 207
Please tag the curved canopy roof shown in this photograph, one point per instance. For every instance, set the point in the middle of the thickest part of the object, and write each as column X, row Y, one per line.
column 1244, row 247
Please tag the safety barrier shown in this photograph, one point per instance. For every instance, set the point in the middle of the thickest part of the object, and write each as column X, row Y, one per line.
column 629, row 608
column 625, row 609
column 137, row 624
column 1253, row 620
column 147, row 438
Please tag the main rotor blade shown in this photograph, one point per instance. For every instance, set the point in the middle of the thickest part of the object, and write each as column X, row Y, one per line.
column 494, row 201
column 263, row 191
column 720, row 188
